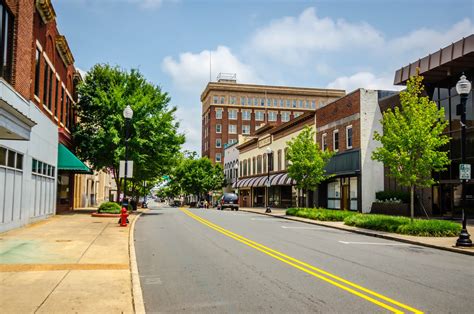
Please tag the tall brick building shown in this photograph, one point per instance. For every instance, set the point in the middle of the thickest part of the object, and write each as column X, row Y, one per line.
column 37, row 93
column 230, row 109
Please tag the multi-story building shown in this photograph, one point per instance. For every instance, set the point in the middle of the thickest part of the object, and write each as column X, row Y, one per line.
column 441, row 71
column 231, row 165
column 230, row 109
column 37, row 78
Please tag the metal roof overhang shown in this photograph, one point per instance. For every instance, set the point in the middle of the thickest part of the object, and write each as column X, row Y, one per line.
column 447, row 64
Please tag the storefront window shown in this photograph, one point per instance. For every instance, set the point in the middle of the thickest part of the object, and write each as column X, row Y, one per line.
column 334, row 194
column 63, row 189
column 353, row 193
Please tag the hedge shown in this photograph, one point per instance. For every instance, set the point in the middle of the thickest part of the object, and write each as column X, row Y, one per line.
column 109, row 208
column 403, row 225
column 319, row 213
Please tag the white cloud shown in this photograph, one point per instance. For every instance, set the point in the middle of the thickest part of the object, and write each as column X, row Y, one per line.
column 363, row 80
column 293, row 39
column 191, row 71
column 421, row 42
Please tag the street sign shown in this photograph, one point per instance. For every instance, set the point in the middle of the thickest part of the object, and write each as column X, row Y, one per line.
column 465, row 171
column 129, row 169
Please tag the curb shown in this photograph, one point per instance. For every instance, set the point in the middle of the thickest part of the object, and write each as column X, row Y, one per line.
column 138, row 304
column 375, row 235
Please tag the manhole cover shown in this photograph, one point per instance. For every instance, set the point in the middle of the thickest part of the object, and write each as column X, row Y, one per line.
column 63, row 240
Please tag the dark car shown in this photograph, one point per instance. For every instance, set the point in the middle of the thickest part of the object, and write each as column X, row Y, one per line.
column 228, row 200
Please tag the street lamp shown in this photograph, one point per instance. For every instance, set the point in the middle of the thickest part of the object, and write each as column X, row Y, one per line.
column 463, row 88
column 127, row 114
column 269, row 184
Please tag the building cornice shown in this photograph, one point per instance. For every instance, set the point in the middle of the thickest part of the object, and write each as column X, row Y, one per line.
column 283, row 90
column 64, row 51
column 45, row 10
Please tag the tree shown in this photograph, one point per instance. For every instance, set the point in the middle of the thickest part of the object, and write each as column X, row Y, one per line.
column 412, row 139
column 307, row 161
column 99, row 135
column 198, row 176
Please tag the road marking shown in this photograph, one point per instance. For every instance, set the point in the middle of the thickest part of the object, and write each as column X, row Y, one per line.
column 305, row 228
column 266, row 219
column 376, row 243
column 309, row 269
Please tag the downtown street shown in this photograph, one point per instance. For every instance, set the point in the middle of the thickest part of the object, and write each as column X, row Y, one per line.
column 203, row 260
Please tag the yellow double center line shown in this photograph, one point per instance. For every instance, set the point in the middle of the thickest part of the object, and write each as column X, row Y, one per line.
column 339, row 282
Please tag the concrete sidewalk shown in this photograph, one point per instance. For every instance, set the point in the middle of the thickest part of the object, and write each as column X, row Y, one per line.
column 443, row 243
column 71, row 263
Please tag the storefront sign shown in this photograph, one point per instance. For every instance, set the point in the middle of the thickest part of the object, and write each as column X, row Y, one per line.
column 265, row 141
column 465, row 171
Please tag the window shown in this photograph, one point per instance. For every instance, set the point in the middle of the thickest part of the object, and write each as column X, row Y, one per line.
column 232, row 141
column 215, row 99
column 232, row 100
column 50, row 90
column 324, row 141
column 242, row 101
column 218, row 113
column 272, row 116
column 264, row 163
column 246, row 129
column 313, row 104
column 246, row 115
column 56, row 95
column 11, row 158
column 285, row 116
column 297, row 114
column 259, row 116
column 6, row 42
column 222, row 100
column 275, row 103
column 349, row 137
column 294, row 103
column 254, row 165
column 259, row 164
column 37, row 71
column 335, row 140
column 233, row 114
column 218, row 143
column 279, row 160
column 240, row 168
column 218, row 128
column 3, row 156
column 45, row 83
column 232, row 129
column 281, row 103
column 218, row 157
column 288, row 103
column 301, row 103
column 269, row 102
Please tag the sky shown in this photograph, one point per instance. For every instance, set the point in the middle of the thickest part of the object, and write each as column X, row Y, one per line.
column 345, row 44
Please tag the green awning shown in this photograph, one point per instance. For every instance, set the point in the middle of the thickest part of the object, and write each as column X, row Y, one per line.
column 67, row 161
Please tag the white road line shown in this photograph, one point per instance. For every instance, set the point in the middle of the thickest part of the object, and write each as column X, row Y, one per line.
column 308, row 228
column 376, row 243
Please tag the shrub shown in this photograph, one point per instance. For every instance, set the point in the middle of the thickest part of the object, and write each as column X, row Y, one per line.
column 403, row 225
column 109, row 208
column 321, row 214
column 386, row 196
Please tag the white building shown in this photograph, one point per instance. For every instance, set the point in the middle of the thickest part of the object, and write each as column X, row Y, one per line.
column 231, row 165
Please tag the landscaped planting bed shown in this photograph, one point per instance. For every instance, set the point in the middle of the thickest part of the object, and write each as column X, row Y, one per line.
column 395, row 224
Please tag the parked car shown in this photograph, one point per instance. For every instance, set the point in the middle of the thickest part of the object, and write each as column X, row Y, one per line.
column 228, row 200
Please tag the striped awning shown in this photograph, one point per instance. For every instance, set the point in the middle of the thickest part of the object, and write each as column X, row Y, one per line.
column 275, row 179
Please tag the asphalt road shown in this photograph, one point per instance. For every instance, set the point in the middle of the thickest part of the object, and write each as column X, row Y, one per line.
column 211, row 261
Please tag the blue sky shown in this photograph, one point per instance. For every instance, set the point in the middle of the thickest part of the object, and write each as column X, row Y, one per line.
column 341, row 44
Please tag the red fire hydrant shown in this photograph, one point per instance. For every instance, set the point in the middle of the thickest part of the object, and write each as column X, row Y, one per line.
column 123, row 217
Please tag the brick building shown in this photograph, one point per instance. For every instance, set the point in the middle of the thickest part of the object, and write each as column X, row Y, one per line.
column 347, row 127
column 37, row 79
column 230, row 109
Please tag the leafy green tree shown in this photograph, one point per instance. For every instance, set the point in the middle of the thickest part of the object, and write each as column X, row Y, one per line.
column 197, row 176
column 154, row 139
column 307, row 161
column 412, row 139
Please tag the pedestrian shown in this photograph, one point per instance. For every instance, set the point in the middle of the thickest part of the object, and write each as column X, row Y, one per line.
column 206, row 204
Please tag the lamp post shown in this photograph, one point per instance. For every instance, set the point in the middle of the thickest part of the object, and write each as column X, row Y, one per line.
column 463, row 88
column 269, row 165
column 127, row 114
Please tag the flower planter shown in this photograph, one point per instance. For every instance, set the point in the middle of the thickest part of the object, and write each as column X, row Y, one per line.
column 394, row 209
